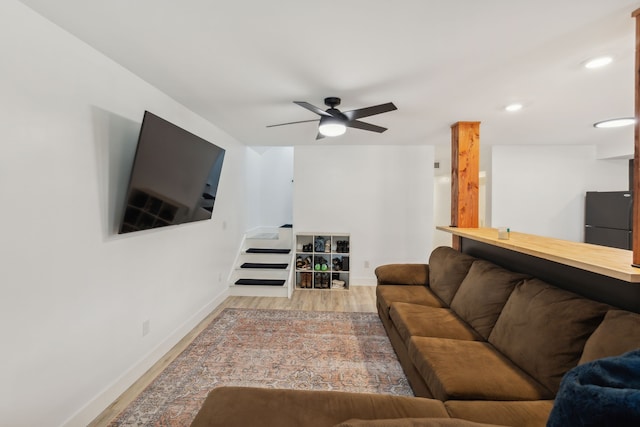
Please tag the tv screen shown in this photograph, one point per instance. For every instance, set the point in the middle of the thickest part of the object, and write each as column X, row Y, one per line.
column 174, row 178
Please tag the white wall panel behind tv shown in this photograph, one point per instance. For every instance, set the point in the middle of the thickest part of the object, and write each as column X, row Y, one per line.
column 74, row 294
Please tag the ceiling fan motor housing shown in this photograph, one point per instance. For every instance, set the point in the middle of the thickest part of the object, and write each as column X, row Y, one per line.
column 332, row 101
column 336, row 114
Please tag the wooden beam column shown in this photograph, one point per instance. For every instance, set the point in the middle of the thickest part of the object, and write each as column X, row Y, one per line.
column 636, row 155
column 465, row 176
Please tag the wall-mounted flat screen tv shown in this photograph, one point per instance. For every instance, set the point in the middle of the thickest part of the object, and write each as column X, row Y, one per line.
column 174, row 178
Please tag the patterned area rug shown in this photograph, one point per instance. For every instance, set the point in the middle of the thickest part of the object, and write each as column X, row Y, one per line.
column 271, row 349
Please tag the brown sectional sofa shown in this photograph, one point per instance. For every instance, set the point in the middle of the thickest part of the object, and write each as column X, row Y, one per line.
column 465, row 329
column 480, row 345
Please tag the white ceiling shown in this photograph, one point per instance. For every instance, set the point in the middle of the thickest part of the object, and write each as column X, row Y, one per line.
column 241, row 63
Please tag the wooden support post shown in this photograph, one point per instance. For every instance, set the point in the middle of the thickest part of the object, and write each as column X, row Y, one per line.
column 465, row 176
column 636, row 156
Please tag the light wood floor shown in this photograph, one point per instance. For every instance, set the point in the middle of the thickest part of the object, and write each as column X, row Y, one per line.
column 356, row 299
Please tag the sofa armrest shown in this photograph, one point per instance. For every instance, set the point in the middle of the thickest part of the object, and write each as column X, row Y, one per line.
column 403, row 274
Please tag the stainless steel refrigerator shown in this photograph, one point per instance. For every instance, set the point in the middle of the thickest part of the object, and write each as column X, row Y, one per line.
column 608, row 218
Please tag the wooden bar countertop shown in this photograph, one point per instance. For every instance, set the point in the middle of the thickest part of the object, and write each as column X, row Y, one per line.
column 603, row 260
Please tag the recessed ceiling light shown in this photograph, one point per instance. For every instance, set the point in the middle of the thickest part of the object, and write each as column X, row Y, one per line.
column 598, row 62
column 513, row 107
column 615, row 123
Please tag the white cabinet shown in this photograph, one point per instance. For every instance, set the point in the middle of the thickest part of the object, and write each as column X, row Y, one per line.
column 322, row 261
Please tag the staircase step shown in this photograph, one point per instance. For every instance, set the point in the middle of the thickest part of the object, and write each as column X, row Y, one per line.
column 260, row 282
column 267, row 251
column 275, row 266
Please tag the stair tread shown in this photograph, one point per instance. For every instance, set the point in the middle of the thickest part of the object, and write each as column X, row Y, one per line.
column 272, row 265
column 268, row 251
column 260, row 282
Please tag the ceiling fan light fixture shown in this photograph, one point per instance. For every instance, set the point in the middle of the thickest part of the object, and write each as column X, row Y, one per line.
column 334, row 123
column 330, row 126
column 615, row 123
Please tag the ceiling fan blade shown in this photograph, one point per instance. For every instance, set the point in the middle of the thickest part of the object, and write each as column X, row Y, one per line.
column 365, row 126
column 312, row 108
column 369, row 111
column 293, row 123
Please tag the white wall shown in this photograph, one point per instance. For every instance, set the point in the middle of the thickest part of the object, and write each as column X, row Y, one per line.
column 541, row 189
column 73, row 294
column 441, row 208
column 619, row 145
column 276, row 185
column 381, row 195
column 442, row 194
column 253, row 173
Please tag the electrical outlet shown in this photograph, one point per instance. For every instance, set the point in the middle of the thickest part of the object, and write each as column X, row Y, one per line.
column 366, row 264
column 146, row 327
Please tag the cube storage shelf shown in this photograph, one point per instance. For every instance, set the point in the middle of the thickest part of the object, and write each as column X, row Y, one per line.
column 322, row 261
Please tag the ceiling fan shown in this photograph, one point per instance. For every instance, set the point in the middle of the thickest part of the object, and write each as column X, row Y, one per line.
column 334, row 122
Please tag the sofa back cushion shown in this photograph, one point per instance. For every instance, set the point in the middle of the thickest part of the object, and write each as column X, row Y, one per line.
column 618, row 333
column 483, row 293
column 543, row 329
column 447, row 269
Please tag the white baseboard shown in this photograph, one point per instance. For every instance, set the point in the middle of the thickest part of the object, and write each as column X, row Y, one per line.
column 105, row 398
column 363, row 281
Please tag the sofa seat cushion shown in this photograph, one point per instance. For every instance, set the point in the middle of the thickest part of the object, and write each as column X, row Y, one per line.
column 618, row 333
column 418, row 320
column 447, row 269
column 543, row 329
column 471, row 370
column 483, row 294
column 421, row 295
column 413, row 422
column 512, row 413
column 250, row 406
